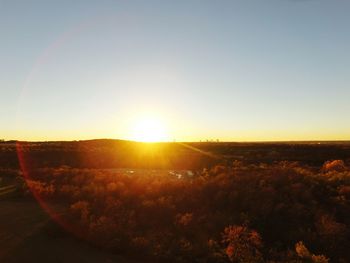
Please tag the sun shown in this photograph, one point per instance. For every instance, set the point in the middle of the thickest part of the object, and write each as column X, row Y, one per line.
column 149, row 129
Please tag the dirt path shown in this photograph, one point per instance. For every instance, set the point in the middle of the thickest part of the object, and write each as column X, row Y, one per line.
column 24, row 238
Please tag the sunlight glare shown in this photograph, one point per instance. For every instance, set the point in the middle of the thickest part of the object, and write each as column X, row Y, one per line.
column 149, row 130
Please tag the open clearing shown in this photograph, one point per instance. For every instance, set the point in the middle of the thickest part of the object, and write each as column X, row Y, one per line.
column 26, row 236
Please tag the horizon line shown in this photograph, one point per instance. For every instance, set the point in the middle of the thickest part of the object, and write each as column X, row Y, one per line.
column 185, row 141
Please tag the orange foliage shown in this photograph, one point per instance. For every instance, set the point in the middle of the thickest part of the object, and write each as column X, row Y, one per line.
column 222, row 214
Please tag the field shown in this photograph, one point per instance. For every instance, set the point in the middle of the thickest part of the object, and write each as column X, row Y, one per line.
column 121, row 201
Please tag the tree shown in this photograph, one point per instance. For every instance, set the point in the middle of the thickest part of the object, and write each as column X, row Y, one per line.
column 242, row 244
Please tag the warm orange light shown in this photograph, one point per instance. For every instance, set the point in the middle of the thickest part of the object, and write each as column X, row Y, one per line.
column 149, row 129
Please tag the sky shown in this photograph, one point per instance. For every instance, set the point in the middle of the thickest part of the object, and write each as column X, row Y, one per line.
column 235, row 70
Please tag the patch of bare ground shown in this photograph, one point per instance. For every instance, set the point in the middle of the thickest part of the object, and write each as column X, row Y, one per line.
column 26, row 236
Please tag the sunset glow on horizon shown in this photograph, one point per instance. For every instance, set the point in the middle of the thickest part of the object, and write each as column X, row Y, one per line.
column 235, row 71
column 149, row 129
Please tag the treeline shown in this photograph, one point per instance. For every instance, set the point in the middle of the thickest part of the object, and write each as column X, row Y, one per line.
column 279, row 212
column 121, row 154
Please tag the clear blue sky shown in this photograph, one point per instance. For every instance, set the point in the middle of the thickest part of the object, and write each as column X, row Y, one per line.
column 233, row 70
